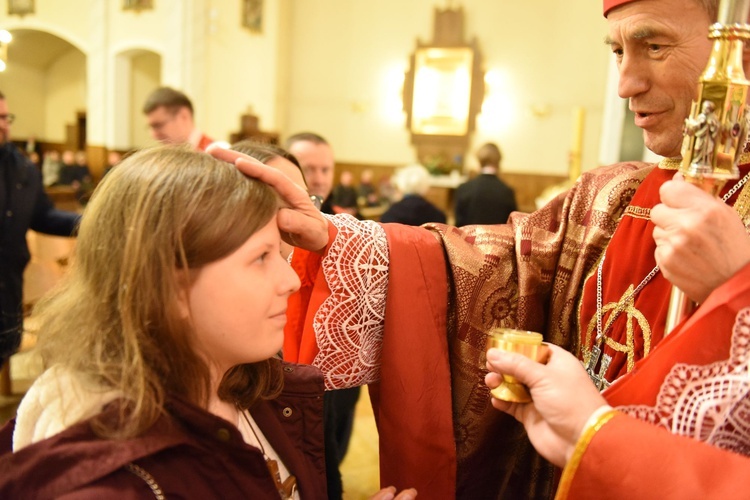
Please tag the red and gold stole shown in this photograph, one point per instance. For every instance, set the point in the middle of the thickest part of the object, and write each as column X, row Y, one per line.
column 633, row 305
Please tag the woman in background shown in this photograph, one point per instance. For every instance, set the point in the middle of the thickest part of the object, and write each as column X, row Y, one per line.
column 413, row 209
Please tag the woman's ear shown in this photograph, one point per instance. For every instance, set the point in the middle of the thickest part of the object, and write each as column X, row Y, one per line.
column 183, row 281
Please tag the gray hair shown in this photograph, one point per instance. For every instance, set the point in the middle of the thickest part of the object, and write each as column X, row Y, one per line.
column 413, row 179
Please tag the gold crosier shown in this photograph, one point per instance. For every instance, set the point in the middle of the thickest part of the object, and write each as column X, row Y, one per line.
column 716, row 130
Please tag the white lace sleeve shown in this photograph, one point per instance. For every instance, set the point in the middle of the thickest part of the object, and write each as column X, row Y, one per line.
column 349, row 324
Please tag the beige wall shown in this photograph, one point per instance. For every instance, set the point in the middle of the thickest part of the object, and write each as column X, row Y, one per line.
column 65, row 94
column 23, row 86
column 339, row 83
column 336, row 67
column 145, row 76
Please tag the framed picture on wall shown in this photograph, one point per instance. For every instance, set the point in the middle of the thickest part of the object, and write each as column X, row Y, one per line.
column 252, row 15
column 137, row 5
column 20, row 7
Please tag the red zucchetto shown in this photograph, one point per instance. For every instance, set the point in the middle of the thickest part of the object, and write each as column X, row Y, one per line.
column 611, row 4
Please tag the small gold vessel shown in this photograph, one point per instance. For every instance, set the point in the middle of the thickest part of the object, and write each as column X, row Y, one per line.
column 522, row 342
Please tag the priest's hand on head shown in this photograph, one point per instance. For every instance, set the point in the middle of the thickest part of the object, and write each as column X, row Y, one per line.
column 700, row 241
column 563, row 399
column 300, row 222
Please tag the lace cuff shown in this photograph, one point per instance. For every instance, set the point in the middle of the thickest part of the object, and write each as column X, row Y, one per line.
column 350, row 322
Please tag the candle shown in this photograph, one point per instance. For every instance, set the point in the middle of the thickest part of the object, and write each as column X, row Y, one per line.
column 576, row 144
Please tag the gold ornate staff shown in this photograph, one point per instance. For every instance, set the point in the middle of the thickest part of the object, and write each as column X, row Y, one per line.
column 716, row 130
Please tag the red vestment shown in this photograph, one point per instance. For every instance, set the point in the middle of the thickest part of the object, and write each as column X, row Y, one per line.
column 630, row 258
column 685, row 433
column 393, row 285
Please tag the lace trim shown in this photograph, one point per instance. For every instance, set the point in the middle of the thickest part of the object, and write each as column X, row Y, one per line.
column 708, row 402
column 349, row 324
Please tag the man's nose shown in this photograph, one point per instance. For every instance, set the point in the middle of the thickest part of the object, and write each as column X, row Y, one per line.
column 634, row 77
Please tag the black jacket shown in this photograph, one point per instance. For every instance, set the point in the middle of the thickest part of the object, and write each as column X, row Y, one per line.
column 413, row 210
column 23, row 205
column 484, row 200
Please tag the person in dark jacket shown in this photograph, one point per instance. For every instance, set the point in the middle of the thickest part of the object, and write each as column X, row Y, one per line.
column 161, row 346
column 413, row 209
column 23, row 205
column 485, row 199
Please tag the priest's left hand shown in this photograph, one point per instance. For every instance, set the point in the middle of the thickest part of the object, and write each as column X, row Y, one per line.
column 300, row 222
column 700, row 241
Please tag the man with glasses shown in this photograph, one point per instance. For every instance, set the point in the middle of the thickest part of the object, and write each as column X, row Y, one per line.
column 169, row 114
column 23, row 205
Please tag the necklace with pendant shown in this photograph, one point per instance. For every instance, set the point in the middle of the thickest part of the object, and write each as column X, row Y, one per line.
column 288, row 487
column 598, row 347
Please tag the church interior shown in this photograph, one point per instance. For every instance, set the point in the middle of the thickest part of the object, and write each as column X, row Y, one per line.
column 387, row 83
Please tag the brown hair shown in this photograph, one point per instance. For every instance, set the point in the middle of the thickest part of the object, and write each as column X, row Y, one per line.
column 169, row 98
column 265, row 152
column 115, row 319
column 304, row 136
column 489, row 155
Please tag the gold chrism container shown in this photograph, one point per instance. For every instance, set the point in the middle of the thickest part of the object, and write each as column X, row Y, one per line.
column 522, row 342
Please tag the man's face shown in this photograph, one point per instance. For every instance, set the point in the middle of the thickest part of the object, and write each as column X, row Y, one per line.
column 170, row 127
column 661, row 48
column 4, row 122
column 317, row 164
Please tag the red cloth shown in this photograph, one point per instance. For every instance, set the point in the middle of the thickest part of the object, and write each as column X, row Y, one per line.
column 204, row 142
column 650, row 461
column 611, row 4
column 300, row 344
column 639, row 328
column 412, row 402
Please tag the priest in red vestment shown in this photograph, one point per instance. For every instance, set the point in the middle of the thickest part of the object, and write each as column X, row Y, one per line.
column 407, row 309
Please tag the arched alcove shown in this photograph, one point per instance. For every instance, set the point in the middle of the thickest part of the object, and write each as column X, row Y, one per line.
column 137, row 72
column 45, row 83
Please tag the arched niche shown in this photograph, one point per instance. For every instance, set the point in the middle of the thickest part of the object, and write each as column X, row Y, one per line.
column 137, row 71
column 45, row 83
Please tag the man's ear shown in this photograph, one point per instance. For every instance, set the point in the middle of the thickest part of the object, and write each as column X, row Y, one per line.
column 185, row 115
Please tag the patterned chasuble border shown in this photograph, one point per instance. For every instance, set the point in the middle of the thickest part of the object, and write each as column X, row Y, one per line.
column 709, row 403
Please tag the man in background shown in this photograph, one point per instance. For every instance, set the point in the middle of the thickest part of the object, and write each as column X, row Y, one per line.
column 23, row 205
column 315, row 157
column 485, row 199
column 169, row 114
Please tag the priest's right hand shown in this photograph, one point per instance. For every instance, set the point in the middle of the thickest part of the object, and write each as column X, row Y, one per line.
column 300, row 222
column 563, row 399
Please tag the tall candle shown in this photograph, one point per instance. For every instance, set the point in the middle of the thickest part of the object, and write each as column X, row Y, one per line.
column 576, row 144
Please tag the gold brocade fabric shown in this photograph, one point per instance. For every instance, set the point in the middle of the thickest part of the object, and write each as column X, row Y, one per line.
column 526, row 274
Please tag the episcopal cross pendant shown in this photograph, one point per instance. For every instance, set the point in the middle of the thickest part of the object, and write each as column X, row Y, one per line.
column 600, row 382
column 593, row 360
